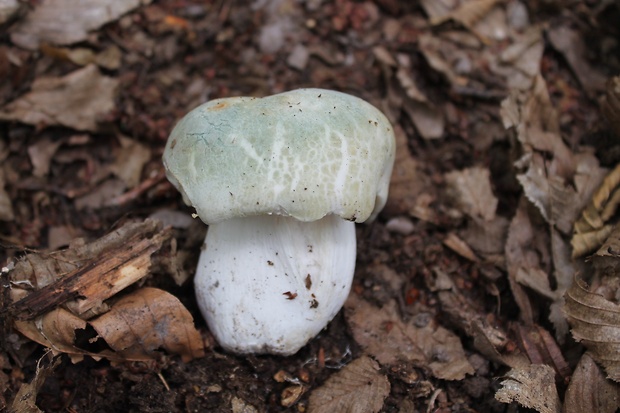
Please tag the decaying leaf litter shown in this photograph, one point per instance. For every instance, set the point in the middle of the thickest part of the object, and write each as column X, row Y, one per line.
column 498, row 239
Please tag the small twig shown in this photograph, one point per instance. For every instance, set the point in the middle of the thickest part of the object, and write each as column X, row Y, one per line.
column 432, row 400
column 138, row 190
column 163, row 381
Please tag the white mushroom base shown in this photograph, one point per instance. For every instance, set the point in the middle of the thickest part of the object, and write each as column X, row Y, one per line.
column 269, row 284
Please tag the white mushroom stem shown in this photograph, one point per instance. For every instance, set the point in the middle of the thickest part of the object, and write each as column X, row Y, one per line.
column 268, row 284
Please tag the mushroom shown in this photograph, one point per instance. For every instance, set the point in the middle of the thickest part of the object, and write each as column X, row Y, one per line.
column 280, row 181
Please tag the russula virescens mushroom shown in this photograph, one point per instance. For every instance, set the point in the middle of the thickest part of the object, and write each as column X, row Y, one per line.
column 280, row 181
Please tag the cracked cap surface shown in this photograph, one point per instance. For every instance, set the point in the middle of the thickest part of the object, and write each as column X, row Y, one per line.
column 305, row 153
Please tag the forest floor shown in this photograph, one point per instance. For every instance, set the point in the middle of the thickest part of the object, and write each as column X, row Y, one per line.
column 472, row 285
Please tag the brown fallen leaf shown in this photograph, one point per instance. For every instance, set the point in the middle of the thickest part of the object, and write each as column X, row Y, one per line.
column 532, row 387
column 79, row 100
column 383, row 335
column 555, row 179
column 486, row 237
column 491, row 341
column 147, row 320
column 26, row 397
column 471, row 189
column 595, row 322
column 41, row 154
column 527, row 252
column 136, row 328
column 63, row 22
column 541, row 348
column 572, row 45
column 408, row 181
column 589, row 391
column 594, row 225
column 130, row 160
column 359, row 387
column 467, row 13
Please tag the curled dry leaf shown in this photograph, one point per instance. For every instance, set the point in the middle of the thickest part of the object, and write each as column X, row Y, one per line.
column 66, row 302
column 589, row 391
column 595, row 322
column 471, row 189
column 383, row 334
column 359, row 387
column 532, row 387
column 79, row 100
column 594, row 226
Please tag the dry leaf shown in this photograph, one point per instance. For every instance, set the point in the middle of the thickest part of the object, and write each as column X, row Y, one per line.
column 589, row 391
column 535, row 120
column 532, row 387
column 101, row 196
column 471, row 189
column 41, row 154
column 358, row 387
column 594, row 225
column 147, row 320
column 135, row 328
column 560, row 186
column 486, row 237
column 63, row 22
column 491, row 341
column 541, row 348
column 79, row 100
column 595, row 322
column 467, row 13
column 519, row 63
column 26, row 397
column 383, row 335
column 571, row 44
column 408, row 180
column 527, row 250
column 130, row 160
column 428, row 119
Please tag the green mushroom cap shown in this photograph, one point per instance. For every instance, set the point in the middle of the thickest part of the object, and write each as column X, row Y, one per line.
column 306, row 153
